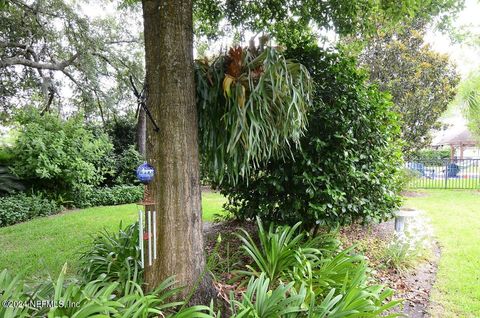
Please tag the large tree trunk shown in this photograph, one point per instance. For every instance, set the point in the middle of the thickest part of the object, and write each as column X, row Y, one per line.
column 173, row 151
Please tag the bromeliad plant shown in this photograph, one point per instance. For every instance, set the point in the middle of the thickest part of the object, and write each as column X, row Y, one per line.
column 252, row 103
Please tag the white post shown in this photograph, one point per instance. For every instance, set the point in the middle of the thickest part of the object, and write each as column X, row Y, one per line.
column 149, row 215
column 140, row 237
column 154, row 235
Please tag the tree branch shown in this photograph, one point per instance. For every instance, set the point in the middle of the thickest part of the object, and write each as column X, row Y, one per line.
column 38, row 65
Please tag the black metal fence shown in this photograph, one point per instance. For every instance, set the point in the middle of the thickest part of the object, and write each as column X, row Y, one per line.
column 444, row 174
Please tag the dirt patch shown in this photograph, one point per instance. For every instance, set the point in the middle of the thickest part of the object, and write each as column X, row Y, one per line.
column 414, row 194
column 207, row 189
column 421, row 280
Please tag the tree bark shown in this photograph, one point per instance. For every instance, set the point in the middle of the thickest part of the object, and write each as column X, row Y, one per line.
column 173, row 151
column 142, row 132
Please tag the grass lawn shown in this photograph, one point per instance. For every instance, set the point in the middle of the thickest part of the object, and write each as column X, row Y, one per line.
column 455, row 216
column 41, row 246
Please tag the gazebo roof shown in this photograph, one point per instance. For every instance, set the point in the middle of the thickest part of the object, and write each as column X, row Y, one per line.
column 454, row 137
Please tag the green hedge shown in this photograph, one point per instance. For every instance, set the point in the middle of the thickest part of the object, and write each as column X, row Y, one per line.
column 431, row 157
column 109, row 196
column 22, row 207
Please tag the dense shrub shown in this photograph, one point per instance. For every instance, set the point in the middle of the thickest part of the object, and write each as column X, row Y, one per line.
column 126, row 165
column 22, row 207
column 122, row 132
column 8, row 181
column 59, row 156
column 121, row 194
column 347, row 166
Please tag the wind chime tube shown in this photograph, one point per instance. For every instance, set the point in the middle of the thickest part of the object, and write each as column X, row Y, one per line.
column 140, row 237
column 154, row 235
column 149, row 215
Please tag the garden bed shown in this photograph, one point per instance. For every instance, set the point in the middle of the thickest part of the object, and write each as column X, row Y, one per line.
column 413, row 283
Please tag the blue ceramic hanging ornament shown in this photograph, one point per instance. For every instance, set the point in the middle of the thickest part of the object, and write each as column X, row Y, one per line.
column 145, row 173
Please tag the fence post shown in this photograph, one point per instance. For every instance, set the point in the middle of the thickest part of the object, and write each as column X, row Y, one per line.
column 446, row 173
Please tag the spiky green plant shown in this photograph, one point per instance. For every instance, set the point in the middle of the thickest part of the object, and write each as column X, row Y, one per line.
column 117, row 255
column 12, row 289
column 252, row 103
column 277, row 252
column 260, row 301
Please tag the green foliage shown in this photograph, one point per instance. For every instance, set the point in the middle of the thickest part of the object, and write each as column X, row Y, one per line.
column 262, row 302
column 59, row 156
column 422, row 82
column 5, row 155
column 468, row 98
column 360, row 17
column 11, row 288
column 321, row 281
column 347, row 167
column 122, row 131
column 21, row 207
column 94, row 298
column 8, row 182
column 126, row 165
column 121, row 194
column 431, row 157
column 277, row 252
column 252, row 103
column 116, row 255
column 51, row 44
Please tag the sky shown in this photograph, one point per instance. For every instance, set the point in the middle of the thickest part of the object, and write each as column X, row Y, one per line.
column 465, row 57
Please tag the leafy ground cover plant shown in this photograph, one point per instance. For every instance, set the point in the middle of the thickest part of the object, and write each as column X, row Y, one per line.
column 261, row 301
column 22, row 207
column 278, row 250
column 318, row 279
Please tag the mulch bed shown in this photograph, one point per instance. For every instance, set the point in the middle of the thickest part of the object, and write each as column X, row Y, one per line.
column 414, row 285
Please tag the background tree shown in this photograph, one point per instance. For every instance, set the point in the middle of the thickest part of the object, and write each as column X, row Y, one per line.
column 52, row 56
column 422, row 82
column 468, row 101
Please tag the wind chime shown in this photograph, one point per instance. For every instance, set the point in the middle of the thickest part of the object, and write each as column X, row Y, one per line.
column 147, row 218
